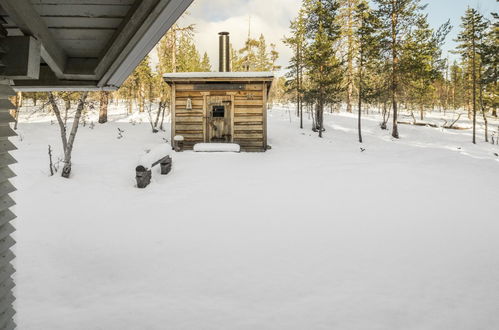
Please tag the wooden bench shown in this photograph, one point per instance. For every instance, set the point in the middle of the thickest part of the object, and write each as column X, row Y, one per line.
column 156, row 156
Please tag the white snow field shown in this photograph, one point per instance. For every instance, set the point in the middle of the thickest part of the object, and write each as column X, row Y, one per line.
column 311, row 235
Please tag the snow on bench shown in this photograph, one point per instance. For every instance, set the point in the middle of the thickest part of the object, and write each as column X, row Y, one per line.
column 157, row 155
column 217, row 147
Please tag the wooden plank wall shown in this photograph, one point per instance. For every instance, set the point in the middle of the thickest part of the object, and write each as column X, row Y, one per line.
column 189, row 123
column 249, row 116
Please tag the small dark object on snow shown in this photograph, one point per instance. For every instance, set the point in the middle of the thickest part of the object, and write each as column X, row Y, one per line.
column 362, row 149
column 458, row 148
column 120, row 133
column 143, row 176
column 166, row 165
column 495, row 153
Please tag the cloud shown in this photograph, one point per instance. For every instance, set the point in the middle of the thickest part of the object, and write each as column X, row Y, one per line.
column 268, row 17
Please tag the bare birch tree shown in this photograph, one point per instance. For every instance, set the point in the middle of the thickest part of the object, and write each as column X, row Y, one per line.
column 68, row 142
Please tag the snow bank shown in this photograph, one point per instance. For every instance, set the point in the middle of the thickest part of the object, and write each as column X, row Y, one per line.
column 417, row 252
column 217, row 147
column 154, row 154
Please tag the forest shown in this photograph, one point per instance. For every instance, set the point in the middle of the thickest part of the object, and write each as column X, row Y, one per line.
column 355, row 56
column 369, row 200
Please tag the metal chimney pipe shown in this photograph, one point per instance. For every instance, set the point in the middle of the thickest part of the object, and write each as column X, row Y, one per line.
column 224, row 52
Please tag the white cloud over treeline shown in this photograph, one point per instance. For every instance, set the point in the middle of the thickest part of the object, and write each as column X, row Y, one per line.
column 270, row 17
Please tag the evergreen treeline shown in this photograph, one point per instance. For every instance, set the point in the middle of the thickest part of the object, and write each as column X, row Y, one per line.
column 387, row 56
column 358, row 54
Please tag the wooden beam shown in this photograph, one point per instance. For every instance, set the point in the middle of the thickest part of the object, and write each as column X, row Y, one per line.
column 24, row 61
column 49, row 82
column 29, row 22
column 123, row 36
column 163, row 15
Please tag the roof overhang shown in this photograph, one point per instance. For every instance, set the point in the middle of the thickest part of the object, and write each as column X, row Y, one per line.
column 139, row 28
column 190, row 77
column 209, row 81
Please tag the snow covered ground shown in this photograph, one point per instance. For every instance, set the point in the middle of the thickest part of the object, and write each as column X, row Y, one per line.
column 313, row 234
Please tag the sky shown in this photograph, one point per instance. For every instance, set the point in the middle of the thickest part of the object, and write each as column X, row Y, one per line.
column 272, row 17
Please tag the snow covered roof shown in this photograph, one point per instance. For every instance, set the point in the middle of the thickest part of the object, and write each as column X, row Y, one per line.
column 218, row 75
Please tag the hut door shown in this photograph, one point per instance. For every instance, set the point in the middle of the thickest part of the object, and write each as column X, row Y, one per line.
column 218, row 121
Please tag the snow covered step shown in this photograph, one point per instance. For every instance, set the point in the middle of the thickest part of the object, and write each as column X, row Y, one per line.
column 217, row 147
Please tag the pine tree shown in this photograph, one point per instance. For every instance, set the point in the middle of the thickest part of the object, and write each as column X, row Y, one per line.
column 490, row 55
column 349, row 24
column 205, row 63
column 457, row 86
column 397, row 18
column 368, row 54
column 248, row 54
column 473, row 28
column 294, row 74
column 323, row 67
column 188, row 57
column 262, row 56
column 422, row 63
column 236, row 64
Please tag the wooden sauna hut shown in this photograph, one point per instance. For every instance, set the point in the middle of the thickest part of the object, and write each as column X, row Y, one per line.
column 221, row 107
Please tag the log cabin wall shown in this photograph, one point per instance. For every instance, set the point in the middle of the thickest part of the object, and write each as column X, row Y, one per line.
column 188, row 123
column 245, row 112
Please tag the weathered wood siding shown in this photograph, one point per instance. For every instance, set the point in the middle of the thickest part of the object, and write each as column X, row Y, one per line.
column 189, row 123
column 248, row 113
column 249, row 107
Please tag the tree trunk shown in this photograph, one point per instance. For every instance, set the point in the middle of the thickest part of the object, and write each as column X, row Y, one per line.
column 395, row 132
column 62, row 127
column 350, row 55
column 297, row 80
column 482, row 107
column 19, row 104
column 104, row 103
column 320, row 114
column 66, row 171
column 160, row 109
column 473, row 67
column 67, row 106
column 163, row 116
column 359, row 120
